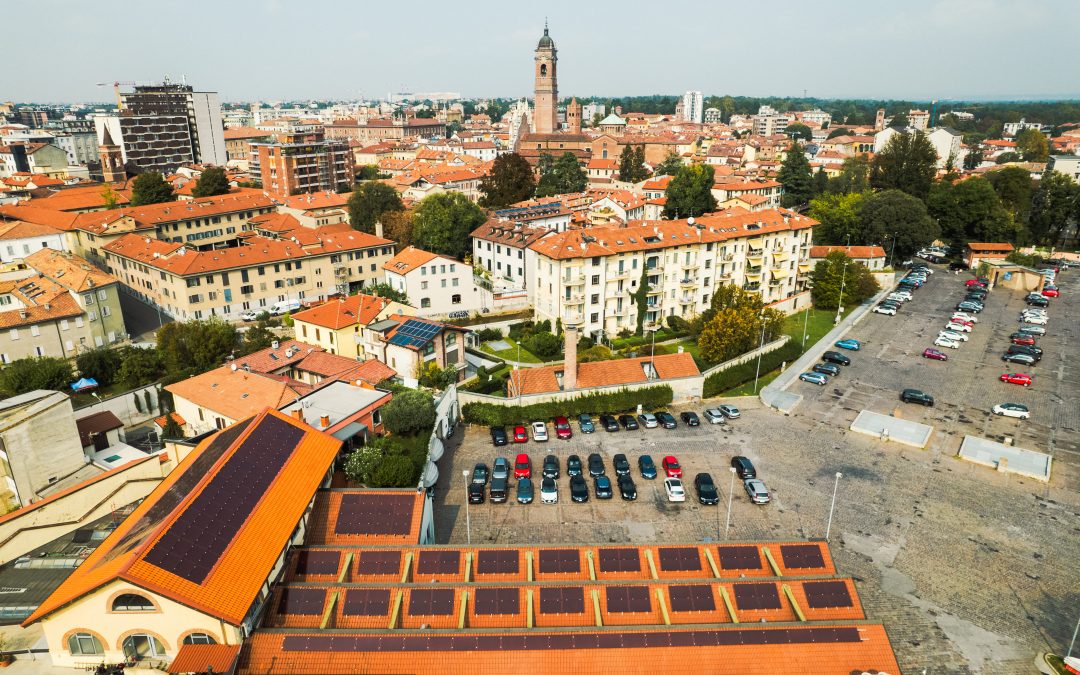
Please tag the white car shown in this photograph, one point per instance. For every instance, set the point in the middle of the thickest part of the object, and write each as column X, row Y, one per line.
column 674, row 489
column 965, row 316
column 549, row 491
column 953, row 335
column 959, row 327
column 898, row 298
column 882, row 309
column 1017, row 410
column 1034, row 320
column 539, row 430
column 648, row 420
column 1029, row 327
column 946, row 342
column 714, row 415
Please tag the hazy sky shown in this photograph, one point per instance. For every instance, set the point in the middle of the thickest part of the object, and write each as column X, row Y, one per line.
column 285, row 49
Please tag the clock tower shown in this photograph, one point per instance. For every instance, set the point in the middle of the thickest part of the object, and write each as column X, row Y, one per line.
column 546, row 98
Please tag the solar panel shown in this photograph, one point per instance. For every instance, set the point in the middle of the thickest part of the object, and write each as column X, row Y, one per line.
column 562, row 600
column 497, row 601
column 497, row 562
column 628, row 599
column 740, row 558
column 190, row 548
column 368, row 513
column 317, row 562
column 438, row 562
column 619, row 560
column 414, row 333
column 693, row 598
column 827, row 594
column 802, row 556
column 302, row 601
column 379, row 562
column 560, row 560
column 366, row 602
column 681, row 559
column 757, row 596
column 431, row 601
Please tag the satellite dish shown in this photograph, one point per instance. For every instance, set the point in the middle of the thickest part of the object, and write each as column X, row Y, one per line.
column 435, row 452
column 431, row 475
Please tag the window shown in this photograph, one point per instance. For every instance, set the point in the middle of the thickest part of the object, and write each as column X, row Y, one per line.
column 14, row 334
column 455, row 298
column 82, row 644
column 423, row 285
column 454, row 282
column 39, row 351
column 139, row 647
column 443, row 283
column 102, row 295
column 199, row 639
column 594, row 317
column 425, row 302
column 596, row 278
column 35, row 331
column 89, row 298
column 132, row 602
column 106, row 310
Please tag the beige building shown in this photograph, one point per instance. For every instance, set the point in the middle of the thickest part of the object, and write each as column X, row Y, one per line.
column 340, row 325
column 410, row 345
column 261, row 272
column 590, row 277
column 435, row 285
column 39, row 446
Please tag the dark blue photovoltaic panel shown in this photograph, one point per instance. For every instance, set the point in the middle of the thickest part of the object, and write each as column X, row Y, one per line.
column 414, row 333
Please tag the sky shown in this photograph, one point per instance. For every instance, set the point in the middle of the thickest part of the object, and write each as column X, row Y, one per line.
column 275, row 50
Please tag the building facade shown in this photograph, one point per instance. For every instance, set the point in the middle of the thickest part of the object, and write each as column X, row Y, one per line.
column 1066, row 164
column 302, row 160
column 546, row 89
column 692, row 110
column 339, row 325
column 435, row 285
column 39, row 445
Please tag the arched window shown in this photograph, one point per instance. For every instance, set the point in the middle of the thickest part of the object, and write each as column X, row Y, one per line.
column 132, row 602
column 84, row 644
column 199, row 639
column 543, row 70
column 139, row 647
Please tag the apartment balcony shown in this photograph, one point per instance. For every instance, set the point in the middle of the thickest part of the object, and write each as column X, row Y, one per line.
column 755, row 259
column 754, row 269
column 686, row 266
column 687, row 299
column 725, row 276
column 781, row 256
column 574, row 280
column 805, row 268
column 613, row 274
column 574, row 300
column 727, row 257
column 654, row 290
column 688, row 281
column 752, row 287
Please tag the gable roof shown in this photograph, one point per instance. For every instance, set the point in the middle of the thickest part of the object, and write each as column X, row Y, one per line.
column 97, row 423
column 337, row 314
column 409, row 259
column 856, row 252
column 238, row 394
column 69, row 270
column 606, row 373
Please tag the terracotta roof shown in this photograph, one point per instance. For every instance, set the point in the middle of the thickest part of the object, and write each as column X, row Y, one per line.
column 44, row 301
column 287, row 353
column 97, row 423
column 371, row 371
column 205, row 659
column 856, row 252
column 326, row 364
column 21, row 229
column 246, row 559
column 160, row 421
column 409, row 259
column 508, row 233
column 323, row 530
column 976, row 246
column 238, row 394
column 748, row 185
column 60, row 220
column 337, row 314
column 75, row 198
column 317, row 200
column 599, row 163
column 69, row 270
column 238, row 133
column 606, row 373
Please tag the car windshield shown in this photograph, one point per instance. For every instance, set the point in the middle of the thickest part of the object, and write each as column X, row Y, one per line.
column 562, row 425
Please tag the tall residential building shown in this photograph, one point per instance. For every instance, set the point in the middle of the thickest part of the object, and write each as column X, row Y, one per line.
column 692, row 107
column 546, row 94
column 302, row 160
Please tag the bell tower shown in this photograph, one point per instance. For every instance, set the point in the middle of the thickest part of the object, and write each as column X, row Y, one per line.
column 112, row 160
column 546, row 97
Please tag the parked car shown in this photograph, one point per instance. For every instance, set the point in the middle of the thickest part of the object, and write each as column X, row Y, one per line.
column 498, row 436
column 609, row 423
column 1018, row 410
column 602, row 487
column 706, row 489
column 837, row 358
column 250, row 315
column 830, row 369
column 962, row 322
column 628, row 422
column 1022, row 339
column 646, row 466
column 627, row 489
column 958, row 327
column 522, row 466
column 946, row 342
column 885, row 309
column 551, row 467
column 974, row 283
column 539, row 432
column 596, row 465
column 524, row 491
column 622, row 465
column 1032, row 329
column 1022, row 379
column 585, row 423
column 1030, row 350
column 1051, row 292
column 672, row 469
column 1037, row 301
column 969, row 307
column 935, row 355
column 520, row 434
column 562, row 428
column 853, row 345
column 756, row 490
column 815, row 378
column 579, row 491
column 690, row 418
column 1022, row 359
column 957, row 265
column 899, row 297
column 500, row 469
column 965, row 316
column 1035, row 319
column 573, row 465
column 476, row 493
column 744, row 468
column 666, row 419
column 917, row 396
column 480, row 474
column 674, row 489
column 730, row 411
column 714, row 415
column 953, row 335
column 549, row 491
column 648, row 420
column 498, row 490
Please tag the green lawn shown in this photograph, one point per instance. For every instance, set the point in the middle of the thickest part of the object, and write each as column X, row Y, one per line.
column 512, row 354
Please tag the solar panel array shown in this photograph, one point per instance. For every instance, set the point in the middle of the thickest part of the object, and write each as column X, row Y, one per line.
column 802, row 556
column 317, row 562
column 414, row 333
column 490, row 601
column 191, row 547
column 431, row 601
column 562, row 600
column 757, row 596
column 682, row 559
column 379, row 562
column 497, row 562
column 560, row 560
column 821, row 594
column 628, row 599
column 619, row 560
column 367, row 513
column 740, row 558
column 692, row 598
column 302, row 601
column 438, row 562
column 366, row 602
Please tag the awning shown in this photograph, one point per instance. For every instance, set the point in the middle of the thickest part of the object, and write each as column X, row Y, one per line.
column 755, row 275
column 84, row 384
column 349, row 430
column 780, row 274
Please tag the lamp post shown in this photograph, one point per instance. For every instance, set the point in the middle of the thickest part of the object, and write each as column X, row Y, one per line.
column 805, row 325
column 652, row 350
column 761, row 344
column 892, row 248
column 1073, row 641
column 468, row 522
column 730, row 493
column 843, row 278
column 828, row 528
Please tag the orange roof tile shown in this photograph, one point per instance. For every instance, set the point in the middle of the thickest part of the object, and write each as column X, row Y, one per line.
column 237, row 133
column 336, row 314
column 205, row 659
column 60, row 220
column 69, row 270
column 160, row 421
column 989, row 246
column 317, row 200
column 857, row 252
column 605, row 373
column 409, row 259
column 237, row 394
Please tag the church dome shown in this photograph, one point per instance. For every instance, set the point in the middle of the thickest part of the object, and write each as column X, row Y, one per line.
column 546, row 42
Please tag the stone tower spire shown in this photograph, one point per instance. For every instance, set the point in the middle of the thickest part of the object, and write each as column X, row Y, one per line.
column 546, row 90
column 112, row 161
column 573, row 116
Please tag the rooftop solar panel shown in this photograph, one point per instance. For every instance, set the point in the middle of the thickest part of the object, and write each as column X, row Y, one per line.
column 497, row 562
column 757, row 596
column 302, row 601
column 189, row 548
column 628, row 599
column 802, row 556
column 379, row 562
column 740, row 558
column 562, row 600
column 317, row 562
column 438, row 562
column 366, row 602
column 431, row 601
column 414, row 333
column 496, row 601
column 692, row 598
column 560, row 560
column 619, row 560
column 370, row 513
column 820, row 594
column 681, row 559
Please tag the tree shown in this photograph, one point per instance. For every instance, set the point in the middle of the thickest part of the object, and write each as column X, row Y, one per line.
column 30, row 373
column 690, row 192
column 211, row 183
column 820, row 183
column 970, row 211
column 854, row 176
column 362, row 461
column 172, row 428
column 898, row 215
column 385, row 290
column 796, row 177
column 1007, row 158
column 908, row 163
column 191, row 347
column 560, row 176
column 151, row 188
column 431, row 375
column 109, row 197
column 732, row 331
column 799, row 131
column 1053, row 206
column 138, row 367
column 973, row 159
column 900, row 121
column 670, row 166
column 367, row 172
column 837, row 270
column 100, row 364
column 256, row 338
column 369, row 201
column 839, row 131
column 511, row 181
column 397, row 227
column 443, row 223
column 1013, row 186
column 1032, row 145
column 840, row 216
column 632, row 164
column 393, row 471
column 409, row 412
column 544, row 345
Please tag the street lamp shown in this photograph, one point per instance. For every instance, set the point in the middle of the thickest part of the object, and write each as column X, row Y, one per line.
column 892, row 248
column 652, row 350
column 1073, row 641
column 761, row 350
column 828, row 528
column 468, row 523
column 730, row 493
column 805, row 325
column 843, row 278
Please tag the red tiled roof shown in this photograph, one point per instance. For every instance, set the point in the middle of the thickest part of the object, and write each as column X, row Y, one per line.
column 160, row 421
column 606, row 373
column 409, row 259
column 205, row 659
column 336, row 314
column 238, row 394
column 856, row 252
column 990, row 246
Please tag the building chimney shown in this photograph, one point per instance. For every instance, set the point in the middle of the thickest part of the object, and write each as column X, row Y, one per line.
column 298, row 414
column 324, row 422
column 275, row 344
column 378, row 228
column 570, row 364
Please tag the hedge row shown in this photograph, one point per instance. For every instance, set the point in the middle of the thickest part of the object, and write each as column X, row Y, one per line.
column 624, row 400
column 732, row 377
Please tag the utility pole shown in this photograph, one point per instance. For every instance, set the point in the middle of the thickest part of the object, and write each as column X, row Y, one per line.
column 828, row 528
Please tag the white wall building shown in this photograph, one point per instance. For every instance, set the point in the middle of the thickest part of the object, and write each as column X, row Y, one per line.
column 435, row 285
column 1066, row 164
column 692, row 107
column 947, row 143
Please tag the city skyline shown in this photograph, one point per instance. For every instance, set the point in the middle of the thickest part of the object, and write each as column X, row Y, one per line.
column 920, row 51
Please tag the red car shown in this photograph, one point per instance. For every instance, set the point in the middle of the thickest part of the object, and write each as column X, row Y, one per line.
column 671, row 467
column 1017, row 378
column 520, row 435
column 935, row 354
column 1051, row 292
column 1025, row 340
column 972, row 282
column 562, row 428
column 962, row 321
column 522, row 466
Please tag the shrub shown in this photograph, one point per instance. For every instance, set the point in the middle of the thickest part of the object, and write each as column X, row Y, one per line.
column 546, row 346
column 678, row 324
column 363, row 461
column 409, row 412
column 490, row 334
column 594, row 353
column 729, row 378
column 393, row 471
column 493, row 382
column 100, row 364
column 624, row 400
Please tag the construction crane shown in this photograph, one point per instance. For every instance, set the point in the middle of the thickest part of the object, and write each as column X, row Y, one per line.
column 116, row 90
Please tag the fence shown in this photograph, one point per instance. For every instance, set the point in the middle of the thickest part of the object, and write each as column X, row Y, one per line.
column 748, row 356
column 123, row 406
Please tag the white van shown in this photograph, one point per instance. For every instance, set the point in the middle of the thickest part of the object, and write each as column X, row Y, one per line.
column 279, row 308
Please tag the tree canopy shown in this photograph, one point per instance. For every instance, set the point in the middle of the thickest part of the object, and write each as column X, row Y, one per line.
column 632, row 164
column 854, row 176
column 212, row 182
column 893, row 214
column 1055, row 208
column 511, row 181
column 799, row 131
column 837, row 274
column 734, row 324
column 970, row 211
column 385, row 290
column 908, row 163
column 840, row 216
column 30, row 373
column 1014, row 187
column 196, row 346
column 409, row 412
column 1032, row 145
column 670, row 166
column 443, row 223
column 795, row 175
column 150, row 188
column 690, row 192
column 369, row 201
column 560, row 176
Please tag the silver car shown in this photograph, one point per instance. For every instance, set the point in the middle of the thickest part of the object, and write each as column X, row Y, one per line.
column 1032, row 329
column 714, row 415
column 756, row 490
column 953, row 335
column 648, row 420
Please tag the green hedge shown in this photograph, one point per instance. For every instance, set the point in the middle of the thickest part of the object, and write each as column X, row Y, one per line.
column 638, row 340
column 732, row 377
column 624, row 400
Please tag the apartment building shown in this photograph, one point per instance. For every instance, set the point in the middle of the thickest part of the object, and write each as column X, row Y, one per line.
column 302, row 159
column 238, row 142
column 39, row 446
column 771, row 190
column 254, row 275
column 589, row 277
column 94, row 290
column 409, row 344
column 19, row 239
column 435, row 285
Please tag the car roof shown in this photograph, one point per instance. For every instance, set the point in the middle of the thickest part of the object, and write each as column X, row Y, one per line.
column 522, row 455
column 670, row 458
